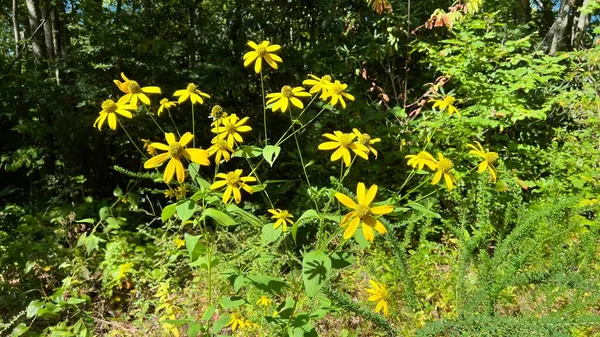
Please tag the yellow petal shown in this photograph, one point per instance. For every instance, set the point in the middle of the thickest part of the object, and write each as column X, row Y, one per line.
column 328, row 146
column 199, row 156
column 151, row 90
column 112, row 121
column 371, row 193
column 169, row 171
column 368, row 232
column 361, row 193
column 178, row 169
column 377, row 210
column 156, row 160
column 349, row 232
column 345, row 200
column 170, row 137
column 186, row 139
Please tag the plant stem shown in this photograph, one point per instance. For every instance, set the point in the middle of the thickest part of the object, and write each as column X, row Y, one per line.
column 193, row 126
column 173, row 121
column 262, row 89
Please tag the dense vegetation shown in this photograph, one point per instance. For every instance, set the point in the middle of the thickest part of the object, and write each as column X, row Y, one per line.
column 300, row 168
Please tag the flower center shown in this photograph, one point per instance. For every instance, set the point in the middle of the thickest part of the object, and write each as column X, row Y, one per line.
column 364, row 139
column 164, row 101
column 345, row 140
column 261, row 51
column 109, row 106
column 449, row 99
column 230, row 127
column 175, row 149
column 337, row 88
column 232, row 179
column 286, row 91
column 222, row 145
column 134, row 87
column 445, row 165
column 362, row 211
column 491, row 157
column 191, row 88
column 284, row 214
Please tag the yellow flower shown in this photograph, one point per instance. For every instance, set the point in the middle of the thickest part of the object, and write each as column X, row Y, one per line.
column 220, row 148
column 336, row 92
column 489, row 158
column 234, row 182
column 343, row 142
column 422, row 159
column 366, row 140
column 179, row 242
column 250, row 324
column 236, row 322
column 170, row 193
column 165, row 104
column 363, row 212
column 110, row 109
column 230, row 128
column 192, row 93
column 447, row 102
column 264, row 301
column 217, row 114
column 176, row 150
column 379, row 293
column 318, row 84
column 443, row 167
column 285, row 97
column 134, row 92
column 260, row 52
column 283, row 218
column 181, row 192
column 149, row 148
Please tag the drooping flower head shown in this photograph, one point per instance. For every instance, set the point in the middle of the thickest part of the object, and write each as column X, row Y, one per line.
column 217, row 114
column 236, row 322
column 149, row 148
column 366, row 140
column 443, row 168
column 287, row 95
column 192, row 93
column 318, row 84
column 220, row 149
column 165, row 104
column 283, row 217
column 234, row 181
column 175, row 151
column 264, row 301
column 489, row 159
column 380, row 295
column 336, row 92
column 422, row 159
column 363, row 213
column 344, row 142
column 230, row 129
column 263, row 51
column 110, row 109
column 134, row 92
column 446, row 103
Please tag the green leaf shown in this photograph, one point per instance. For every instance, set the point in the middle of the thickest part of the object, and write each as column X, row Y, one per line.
column 19, row 330
column 219, row 216
column 270, row 234
column 168, row 212
column 246, row 216
column 341, row 260
column 90, row 242
column 286, row 309
column 194, row 330
column 315, row 270
column 118, row 192
column 185, row 209
column 194, row 247
column 104, row 212
column 208, row 313
column 231, row 302
column 270, row 153
column 247, row 151
column 34, row 307
column 310, row 214
column 266, row 283
column 219, row 324
column 423, row 209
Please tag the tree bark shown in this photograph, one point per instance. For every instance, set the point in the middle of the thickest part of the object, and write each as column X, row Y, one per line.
column 15, row 27
column 559, row 31
column 522, row 11
column 37, row 39
column 48, row 41
column 63, row 32
column 580, row 27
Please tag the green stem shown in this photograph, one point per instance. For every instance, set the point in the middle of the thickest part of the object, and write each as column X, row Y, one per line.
column 173, row 121
column 193, row 126
column 281, row 140
column 155, row 122
column 262, row 89
column 302, row 163
column 131, row 140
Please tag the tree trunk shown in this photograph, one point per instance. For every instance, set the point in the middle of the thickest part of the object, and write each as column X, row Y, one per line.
column 559, row 31
column 63, row 32
column 48, row 41
column 522, row 11
column 37, row 38
column 580, row 27
column 15, row 27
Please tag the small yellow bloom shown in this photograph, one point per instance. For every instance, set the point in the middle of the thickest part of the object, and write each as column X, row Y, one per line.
column 236, row 322
column 134, row 92
column 363, row 213
column 250, row 324
column 170, row 193
column 192, row 93
column 446, row 102
column 380, row 295
column 336, row 92
column 230, row 129
column 489, row 158
column 179, row 242
column 263, row 51
column 149, row 148
column 110, row 109
column 318, row 84
column 220, row 148
column 181, row 192
column 217, row 114
column 344, row 142
column 264, row 301
column 287, row 95
column 422, row 159
column 283, row 218
column 165, row 104
column 175, row 150
column 366, row 140
column 443, row 167
column 234, row 181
